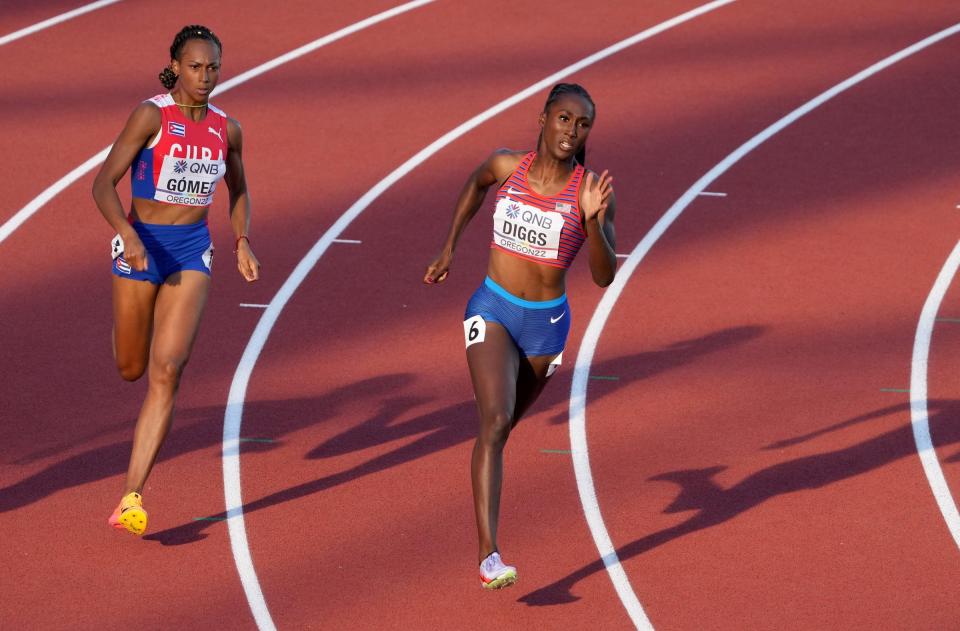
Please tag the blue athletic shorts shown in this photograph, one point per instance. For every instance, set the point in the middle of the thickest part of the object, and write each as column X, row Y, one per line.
column 170, row 249
column 537, row 328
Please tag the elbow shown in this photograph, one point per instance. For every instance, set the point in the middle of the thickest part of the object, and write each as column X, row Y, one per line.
column 101, row 186
column 604, row 273
column 604, row 280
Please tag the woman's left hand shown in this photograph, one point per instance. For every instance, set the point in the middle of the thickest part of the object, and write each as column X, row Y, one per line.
column 247, row 263
column 595, row 194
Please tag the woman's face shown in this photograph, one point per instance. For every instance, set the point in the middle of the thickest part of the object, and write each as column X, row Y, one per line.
column 198, row 68
column 566, row 125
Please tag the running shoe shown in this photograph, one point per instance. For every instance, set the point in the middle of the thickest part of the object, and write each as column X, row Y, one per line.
column 130, row 515
column 495, row 574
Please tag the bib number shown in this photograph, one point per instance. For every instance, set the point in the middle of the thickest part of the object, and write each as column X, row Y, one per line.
column 474, row 330
column 527, row 230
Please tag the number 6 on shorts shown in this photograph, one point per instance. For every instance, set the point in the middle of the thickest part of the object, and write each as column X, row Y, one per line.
column 474, row 330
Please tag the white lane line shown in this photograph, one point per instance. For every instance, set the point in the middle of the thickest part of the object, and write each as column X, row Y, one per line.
column 710, row 194
column 347, row 241
column 578, row 395
column 253, row 305
column 919, row 418
column 57, row 187
column 234, row 414
column 57, row 19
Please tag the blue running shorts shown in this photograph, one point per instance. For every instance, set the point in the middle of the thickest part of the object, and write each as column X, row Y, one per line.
column 170, row 249
column 537, row 328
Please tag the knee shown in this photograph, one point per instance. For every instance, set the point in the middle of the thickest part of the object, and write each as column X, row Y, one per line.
column 495, row 428
column 167, row 371
column 131, row 371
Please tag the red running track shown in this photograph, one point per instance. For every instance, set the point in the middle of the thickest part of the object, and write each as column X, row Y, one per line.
column 750, row 469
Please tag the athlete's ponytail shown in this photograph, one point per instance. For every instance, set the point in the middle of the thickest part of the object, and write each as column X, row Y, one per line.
column 556, row 92
column 167, row 77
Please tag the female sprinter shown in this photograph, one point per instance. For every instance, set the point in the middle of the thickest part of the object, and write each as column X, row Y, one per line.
column 179, row 146
column 516, row 323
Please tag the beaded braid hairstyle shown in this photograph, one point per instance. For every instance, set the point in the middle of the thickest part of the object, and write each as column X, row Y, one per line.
column 563, row 89
column 195, row 31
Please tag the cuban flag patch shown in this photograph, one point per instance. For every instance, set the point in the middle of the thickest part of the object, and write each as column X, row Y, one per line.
column 177, row 129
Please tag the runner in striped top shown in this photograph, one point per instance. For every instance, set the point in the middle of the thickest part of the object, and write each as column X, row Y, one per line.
column 516, row 323
column 540, row 228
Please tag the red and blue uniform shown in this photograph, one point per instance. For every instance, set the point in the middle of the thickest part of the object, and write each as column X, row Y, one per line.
column 181, row 166
column 185, row 160
column 545, row 229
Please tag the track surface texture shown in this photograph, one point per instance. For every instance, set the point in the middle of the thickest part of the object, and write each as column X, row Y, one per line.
column 749, row 420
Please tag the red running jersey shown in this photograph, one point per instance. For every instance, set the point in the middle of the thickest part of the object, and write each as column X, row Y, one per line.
column 185, row 160
column 535, row 227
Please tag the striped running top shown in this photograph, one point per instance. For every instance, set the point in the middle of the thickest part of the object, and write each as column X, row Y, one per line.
column 535, row 227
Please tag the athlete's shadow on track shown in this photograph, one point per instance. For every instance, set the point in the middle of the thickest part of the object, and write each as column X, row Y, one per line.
column 443, row 428
column 193, row 429
column 631, row 368
column 715, row 505
column 450, row 426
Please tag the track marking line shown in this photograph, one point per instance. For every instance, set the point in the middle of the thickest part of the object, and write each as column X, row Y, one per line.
column 919, row 419
column 234, row 414
column 556, row 451
column 357, row 241
column 57, row 19
column 622, row 256
column 711, row 194
column 578, row 395
column 57, row 187
column 954, row 320
column 253, row 305
column 604, row 378
column 209, row 519
column 894, row 390
column 257, row 440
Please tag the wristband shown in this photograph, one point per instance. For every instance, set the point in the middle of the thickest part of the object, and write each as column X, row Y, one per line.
column 236, row 248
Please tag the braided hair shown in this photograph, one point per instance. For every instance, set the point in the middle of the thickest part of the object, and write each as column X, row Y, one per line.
column 563, row 89
column 167, row 77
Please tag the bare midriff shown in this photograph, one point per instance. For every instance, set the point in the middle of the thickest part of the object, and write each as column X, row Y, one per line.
column 150, row 211
column 526, row 279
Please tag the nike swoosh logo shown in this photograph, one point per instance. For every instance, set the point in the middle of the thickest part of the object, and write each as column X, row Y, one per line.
column 558, row 318
column 513, row 191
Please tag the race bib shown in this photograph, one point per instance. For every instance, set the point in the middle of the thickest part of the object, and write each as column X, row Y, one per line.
column 474, row 330
column 526, row 229
column 188, row 181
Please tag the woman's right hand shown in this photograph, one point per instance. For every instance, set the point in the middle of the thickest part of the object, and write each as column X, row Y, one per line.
column 134, row 253
column 437, row 270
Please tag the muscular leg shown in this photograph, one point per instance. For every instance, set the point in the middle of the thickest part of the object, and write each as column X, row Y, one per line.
column 530, row 383
column 493, row 369
column 179, row 305
column 505, row 385
column 133, row 303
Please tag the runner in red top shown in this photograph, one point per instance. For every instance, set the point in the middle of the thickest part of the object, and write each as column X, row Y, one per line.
column 186, row 159
column 516, row 323
column 180, row 147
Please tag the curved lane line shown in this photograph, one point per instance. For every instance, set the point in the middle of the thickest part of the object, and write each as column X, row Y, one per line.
column 57, row 187
column 578, row 395
column 918, row 396
column 57, row 19
column 233, row 418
